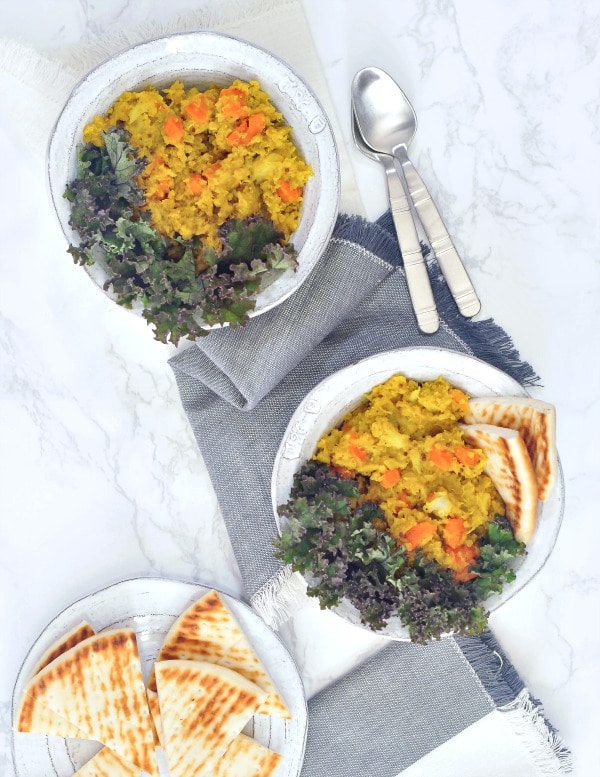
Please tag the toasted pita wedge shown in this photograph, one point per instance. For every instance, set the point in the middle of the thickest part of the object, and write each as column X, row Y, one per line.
column 534, row 420
column 97, row 686
column 154, row 708
column 44, row 720
column 73, row 637
column 245, row 757
column 203, row 707
column 510, row 469
column 107, row 764
column 208, row 631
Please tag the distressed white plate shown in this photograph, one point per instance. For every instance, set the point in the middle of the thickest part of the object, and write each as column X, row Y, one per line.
column 325, row 406
column 150, row 606
column 199, row 59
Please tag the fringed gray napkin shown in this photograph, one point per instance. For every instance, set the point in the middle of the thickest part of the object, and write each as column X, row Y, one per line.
column 239, row 389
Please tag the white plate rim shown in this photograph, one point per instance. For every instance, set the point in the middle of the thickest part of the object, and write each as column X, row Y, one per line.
column 422, row 363
column 287, row 674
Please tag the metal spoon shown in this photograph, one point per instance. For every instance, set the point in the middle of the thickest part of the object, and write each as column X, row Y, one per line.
column 417, row 279
column 387, row 122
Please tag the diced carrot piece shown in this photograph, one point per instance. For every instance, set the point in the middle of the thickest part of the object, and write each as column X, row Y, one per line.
column 459, row 398
column 462, row 558
column 420, row 534
column 467, row 456
column 246, row 129
column 173, row 128
column 212, row 170
column 342, row 472
column 196, row 183
column 454, row 532
column 233, row 102
column 390, row 478
column 360, row 453
column 289, row 193
column 162, row 189
column 441, row 457
column 198, row 109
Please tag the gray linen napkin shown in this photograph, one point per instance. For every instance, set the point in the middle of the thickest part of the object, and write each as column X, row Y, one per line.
column 239, row 389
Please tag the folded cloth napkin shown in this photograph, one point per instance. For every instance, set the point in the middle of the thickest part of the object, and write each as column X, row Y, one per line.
column 239, row 389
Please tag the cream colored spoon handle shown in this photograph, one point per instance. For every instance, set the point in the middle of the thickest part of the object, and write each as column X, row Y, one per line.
column 442, row 246
column 417, row 279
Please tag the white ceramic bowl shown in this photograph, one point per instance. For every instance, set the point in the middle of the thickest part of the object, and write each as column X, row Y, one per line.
column 325, row 406
column 199, row 59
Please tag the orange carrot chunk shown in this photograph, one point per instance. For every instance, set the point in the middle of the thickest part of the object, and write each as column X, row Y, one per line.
column 288, row 193
column 196, row 183
column 360, row 453
column 441, row 457
column 246, row 129
column 454, row 532
column 467, row 456
column 198, row 109
column 420, row 534
column 173, row 128
column 390, row 478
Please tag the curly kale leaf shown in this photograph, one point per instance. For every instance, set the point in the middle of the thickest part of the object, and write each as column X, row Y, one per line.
column 252, row 257
column 498, row 549
column 336, row 540
column 157, row 271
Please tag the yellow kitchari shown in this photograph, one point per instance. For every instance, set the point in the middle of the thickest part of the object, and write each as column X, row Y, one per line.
column 212, row 155
column 403, row 441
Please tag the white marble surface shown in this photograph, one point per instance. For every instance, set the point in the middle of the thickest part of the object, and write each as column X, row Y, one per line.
column 100, row 478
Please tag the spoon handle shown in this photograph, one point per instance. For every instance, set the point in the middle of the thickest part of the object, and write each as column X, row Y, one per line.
column 446, row 254
column 417, row 279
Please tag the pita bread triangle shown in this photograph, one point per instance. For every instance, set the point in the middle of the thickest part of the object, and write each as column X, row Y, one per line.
column 534, row 420
column 73, row 637
column 510, row 469
column 106, row 763
column 43, row 720
column 97, row 685
column 203, row 707
column 208, row 631
column 245, row 757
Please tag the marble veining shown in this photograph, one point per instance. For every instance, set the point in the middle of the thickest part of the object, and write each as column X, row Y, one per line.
column 100, row 477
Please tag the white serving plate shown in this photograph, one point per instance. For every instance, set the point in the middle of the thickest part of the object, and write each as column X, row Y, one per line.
column 150, row 606
column 199, row 59
column 325, row 406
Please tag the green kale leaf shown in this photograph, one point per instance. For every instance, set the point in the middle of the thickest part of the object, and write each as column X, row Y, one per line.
column 161, row 272
column 336, row 540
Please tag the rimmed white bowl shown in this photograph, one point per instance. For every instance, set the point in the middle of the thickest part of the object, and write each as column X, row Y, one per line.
column 199, row 59
column 326, row 405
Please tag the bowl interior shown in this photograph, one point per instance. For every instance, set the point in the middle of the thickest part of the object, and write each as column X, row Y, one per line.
column 200, row 59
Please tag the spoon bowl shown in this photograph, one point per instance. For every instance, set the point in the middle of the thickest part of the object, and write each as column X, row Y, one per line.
column 383, row 113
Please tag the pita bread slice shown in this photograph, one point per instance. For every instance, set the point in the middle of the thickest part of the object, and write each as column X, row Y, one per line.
column 73, row 637
column 208, row 631
column 534, row 420
column 39, row 719
column 510, row 469
column 203, row 707
column 245, row 757
column 97, row 686
column 107, row 764
column 43, row 720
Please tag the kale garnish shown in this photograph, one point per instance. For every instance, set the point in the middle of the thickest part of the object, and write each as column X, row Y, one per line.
column 338, row 542
column 162, row 273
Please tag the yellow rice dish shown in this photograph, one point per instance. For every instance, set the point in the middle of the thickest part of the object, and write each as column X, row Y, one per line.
column 212, row 155
column 404, row 445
